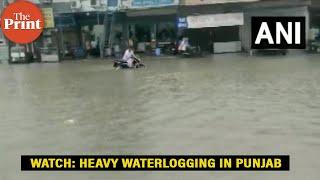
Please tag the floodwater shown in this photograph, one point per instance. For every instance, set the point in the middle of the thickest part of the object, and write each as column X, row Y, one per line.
column 225, row 104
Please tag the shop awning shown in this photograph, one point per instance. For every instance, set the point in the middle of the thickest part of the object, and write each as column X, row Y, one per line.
column 215, row 20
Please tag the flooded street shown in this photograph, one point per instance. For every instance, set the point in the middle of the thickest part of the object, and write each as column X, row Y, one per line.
column 225, row 104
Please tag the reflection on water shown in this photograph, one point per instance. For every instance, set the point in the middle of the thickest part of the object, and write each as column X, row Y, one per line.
column 226, row 104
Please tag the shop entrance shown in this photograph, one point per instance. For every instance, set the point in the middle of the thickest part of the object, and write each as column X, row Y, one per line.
column 207, row 38
column 147, row 36
column 142, row 32
column 152, row 32
column 201, row 37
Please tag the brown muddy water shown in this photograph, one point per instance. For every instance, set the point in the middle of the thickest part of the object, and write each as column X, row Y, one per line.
column 226, row 104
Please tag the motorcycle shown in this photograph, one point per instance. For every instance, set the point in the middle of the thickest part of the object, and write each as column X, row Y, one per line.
column 192, row 51
column 137, row 63
column 171, row 49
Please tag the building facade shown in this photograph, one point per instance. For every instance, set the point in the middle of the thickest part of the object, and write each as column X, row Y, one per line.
column 225, row 25
column 80, row 25
column 149, row 23
column 216, row 26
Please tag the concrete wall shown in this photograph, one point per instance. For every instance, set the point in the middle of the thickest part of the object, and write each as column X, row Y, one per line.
column 245, row 30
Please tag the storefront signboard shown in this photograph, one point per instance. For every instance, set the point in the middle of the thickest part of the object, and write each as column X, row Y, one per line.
column 48, row 17
column 202, row 2
column 148, row 3
column 182, row 22
column 215, row 20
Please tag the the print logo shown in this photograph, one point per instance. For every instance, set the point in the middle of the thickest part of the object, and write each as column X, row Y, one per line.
column 278, row 32
column 22, row 22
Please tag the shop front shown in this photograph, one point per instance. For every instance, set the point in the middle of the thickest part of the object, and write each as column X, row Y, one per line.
column 78, row 35
column 226, row 26
column 90, row 32
column 66, row 34
column 48, row 44
column 214, row 26
column 215, row 33
column 147, row 34
column 151, row 24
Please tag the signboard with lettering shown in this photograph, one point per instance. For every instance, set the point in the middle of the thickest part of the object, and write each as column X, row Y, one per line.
column 148, row 3
column 182, row 23
column 48, row 17
column 202, row 2
column 215, row 20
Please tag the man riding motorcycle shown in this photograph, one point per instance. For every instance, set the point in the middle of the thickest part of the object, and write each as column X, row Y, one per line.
column 129, row 60
column 129, row 57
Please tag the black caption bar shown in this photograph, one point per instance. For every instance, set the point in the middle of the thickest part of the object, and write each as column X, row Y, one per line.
column 155, row 163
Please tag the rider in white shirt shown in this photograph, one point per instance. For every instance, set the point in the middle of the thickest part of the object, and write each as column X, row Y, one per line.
column 184, row 44
column 129, row 56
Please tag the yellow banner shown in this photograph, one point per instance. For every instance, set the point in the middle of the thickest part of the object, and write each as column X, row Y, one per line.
column 48, row 17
